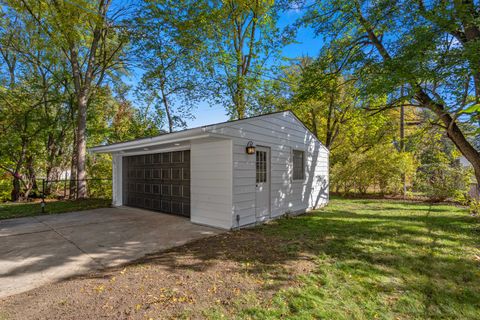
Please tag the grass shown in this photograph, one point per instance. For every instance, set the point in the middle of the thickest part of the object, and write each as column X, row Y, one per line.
column 354, row 259
column 17, row 210
column 376, row 260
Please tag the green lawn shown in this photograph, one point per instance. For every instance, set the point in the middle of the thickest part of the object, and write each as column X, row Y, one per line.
column 354, row 259
column 16, row 210
column 378, row 260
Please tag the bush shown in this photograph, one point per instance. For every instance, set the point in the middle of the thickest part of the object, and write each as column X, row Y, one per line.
column 381, row 167
column 5, row 189
column 474, row 207
column 440, row 181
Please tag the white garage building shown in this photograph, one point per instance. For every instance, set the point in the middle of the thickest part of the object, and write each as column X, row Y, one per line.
column 225, row 175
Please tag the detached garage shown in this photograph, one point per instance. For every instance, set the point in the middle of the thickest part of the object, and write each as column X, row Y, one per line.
column 225, row 175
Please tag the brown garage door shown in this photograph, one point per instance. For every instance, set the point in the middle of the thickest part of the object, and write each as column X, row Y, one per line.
column 158, row 181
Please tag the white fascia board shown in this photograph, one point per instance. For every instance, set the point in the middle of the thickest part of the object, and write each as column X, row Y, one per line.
column 169, row 149
column 148, row 142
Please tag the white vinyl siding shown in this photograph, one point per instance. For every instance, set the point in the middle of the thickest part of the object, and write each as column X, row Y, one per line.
column 211, row 183
column 283, row 133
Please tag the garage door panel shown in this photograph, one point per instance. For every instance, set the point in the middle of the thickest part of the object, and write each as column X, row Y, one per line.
column 176, row 174
column 166, row 206
column 176, row 207
column 176, row 190
column 158, row 182
column 166, row 157
column 186, row 191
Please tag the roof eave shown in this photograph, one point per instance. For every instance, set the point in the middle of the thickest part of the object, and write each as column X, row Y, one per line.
column 147, row 142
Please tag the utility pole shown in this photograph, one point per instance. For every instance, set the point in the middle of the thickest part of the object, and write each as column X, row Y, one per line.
column 402, row 140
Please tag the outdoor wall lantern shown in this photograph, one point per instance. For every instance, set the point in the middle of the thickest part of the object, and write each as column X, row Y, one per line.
column 250, row 148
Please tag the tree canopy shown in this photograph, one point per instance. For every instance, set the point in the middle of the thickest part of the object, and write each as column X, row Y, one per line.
column 393, row 91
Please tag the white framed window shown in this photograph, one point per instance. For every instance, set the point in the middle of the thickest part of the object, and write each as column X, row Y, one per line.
column 298, row 164
column 261, row 164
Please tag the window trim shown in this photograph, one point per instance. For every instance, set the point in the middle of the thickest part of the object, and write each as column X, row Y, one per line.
column 263, row 173
column 293, row 165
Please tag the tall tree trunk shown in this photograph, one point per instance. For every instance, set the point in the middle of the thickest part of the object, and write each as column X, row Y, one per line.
column 32, row 179
column 81, row 150
column 329, row 127
column 73, row 170
column 402, row 144
column 240, row 104
column 83, row 84
column 239, row 97
column 167, row 108
column 15, row 194
column 314, row 122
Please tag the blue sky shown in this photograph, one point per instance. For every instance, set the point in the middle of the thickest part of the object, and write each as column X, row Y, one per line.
column 305, row 45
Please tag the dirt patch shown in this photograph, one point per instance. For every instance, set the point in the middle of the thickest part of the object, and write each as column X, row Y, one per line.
column 178, row 283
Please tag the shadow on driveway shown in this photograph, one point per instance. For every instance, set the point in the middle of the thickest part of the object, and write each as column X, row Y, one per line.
column 43, row 249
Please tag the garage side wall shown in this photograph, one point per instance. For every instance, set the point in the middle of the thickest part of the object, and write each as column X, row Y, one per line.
column 282, row 133
column 211, row 183
column 117, row 183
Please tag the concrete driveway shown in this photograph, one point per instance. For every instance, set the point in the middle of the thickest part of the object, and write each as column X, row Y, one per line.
column 38, row 250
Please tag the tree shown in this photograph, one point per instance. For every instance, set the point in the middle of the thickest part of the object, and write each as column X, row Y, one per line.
column 235, row 41
column 429, row 50
column 91, row 40
column 29, row 96
column 362, row 142
column 328, row 96
column 129, row 122
column 244, row 39
column 171, row 80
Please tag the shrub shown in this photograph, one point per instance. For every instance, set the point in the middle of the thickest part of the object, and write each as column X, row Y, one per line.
column 381, row 167
column 474, row 207
column 440, row 181
column 5, row 189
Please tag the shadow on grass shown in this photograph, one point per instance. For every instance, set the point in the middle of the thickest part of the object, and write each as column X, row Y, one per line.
column 422, row 259
column 363, row 259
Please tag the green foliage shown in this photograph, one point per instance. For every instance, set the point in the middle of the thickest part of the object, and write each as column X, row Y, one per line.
column 173, row 80
column 420, row 53
column 234, row 41
column 5, row 188
column 351, row 100
column 381, row 168
column 474, row 207
column 39, row 94
column 364, row 154
column 228, row 52
column 440, row 175
column 441, row 181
